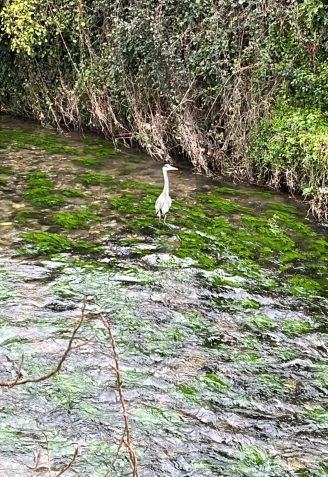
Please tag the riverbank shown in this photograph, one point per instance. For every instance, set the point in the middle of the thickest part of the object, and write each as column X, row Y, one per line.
column 238, row 89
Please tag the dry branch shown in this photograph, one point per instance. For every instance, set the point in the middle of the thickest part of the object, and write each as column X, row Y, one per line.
column 69, row 465
column 126, row 435
column 37, row 462
column 126, row 432
column 70, row 346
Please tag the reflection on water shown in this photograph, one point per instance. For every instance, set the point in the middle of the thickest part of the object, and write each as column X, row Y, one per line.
column 220, row 319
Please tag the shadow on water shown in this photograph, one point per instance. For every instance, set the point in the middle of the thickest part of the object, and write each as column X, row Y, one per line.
column 220, row 319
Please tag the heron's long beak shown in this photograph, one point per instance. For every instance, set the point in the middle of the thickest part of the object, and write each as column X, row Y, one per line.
column 174, row 168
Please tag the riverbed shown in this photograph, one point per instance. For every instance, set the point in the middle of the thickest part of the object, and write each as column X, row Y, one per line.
column 220, row 316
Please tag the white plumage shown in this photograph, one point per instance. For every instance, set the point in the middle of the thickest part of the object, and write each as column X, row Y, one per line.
column 164, row 201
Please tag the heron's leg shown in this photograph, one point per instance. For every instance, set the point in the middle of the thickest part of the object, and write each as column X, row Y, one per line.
column 167, row 225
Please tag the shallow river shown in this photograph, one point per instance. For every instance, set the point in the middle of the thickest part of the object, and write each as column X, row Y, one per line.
column 220, row 317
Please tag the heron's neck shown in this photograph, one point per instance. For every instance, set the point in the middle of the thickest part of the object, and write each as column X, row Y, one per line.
column 166, row 182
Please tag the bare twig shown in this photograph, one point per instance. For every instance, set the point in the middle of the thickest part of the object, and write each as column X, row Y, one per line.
column 48, row 453
column 69, row 465
column 20, row 368
column 37, row 462
column 126, row 431
column 116, row 455
column 70, row 346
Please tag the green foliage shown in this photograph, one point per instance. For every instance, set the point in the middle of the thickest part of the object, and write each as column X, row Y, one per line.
column 20, row 25
column 196, row 79
column 290, row 149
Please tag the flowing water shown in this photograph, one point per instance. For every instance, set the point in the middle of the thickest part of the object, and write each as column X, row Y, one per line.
column 220, row 317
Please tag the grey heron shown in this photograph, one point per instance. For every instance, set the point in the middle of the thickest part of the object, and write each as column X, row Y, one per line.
column 164, row 201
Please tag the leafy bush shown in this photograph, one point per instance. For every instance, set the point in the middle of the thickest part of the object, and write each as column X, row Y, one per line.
column 290, row 149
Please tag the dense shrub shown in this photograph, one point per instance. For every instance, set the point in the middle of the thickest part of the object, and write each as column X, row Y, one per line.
column 290, row 149
column 188, row 77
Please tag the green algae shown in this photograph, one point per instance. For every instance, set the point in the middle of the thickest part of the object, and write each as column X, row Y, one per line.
column 130, row 203
column 24, row 216
column 22, row 139
column 256, row 461
column 40, row 191
column 262, row 239
column 88, row 162
column 101, row 151
column 270, row 384
column 126, row 170
column 11, row 438
column 280, row 207
column 318, row 415
column 247, row 304
column 287, row 222
column 221, row 280
column 6, row 289
column 96, row 179
column 87, row 264
column 247, row 268
column 75, row 220
column 39, row 180
column 128, row 184
column 226, row 191
column 83, row 246
column 249, row 361
column 219, row 242
column 188, row 390
column 303, row 286
column 6, row 171
column 41, row 197
column 321, row 376
column 295, row 327
column 321, row 470
column 285, row 354
column 256, row 193
column 223, row 206
column 71, row 193
column 213, row 382
column 3, row 182
column 125, row 202
column 133, row 160
column 151, row 418
column 195, row 247
column 46, row 242
column 260, row 322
